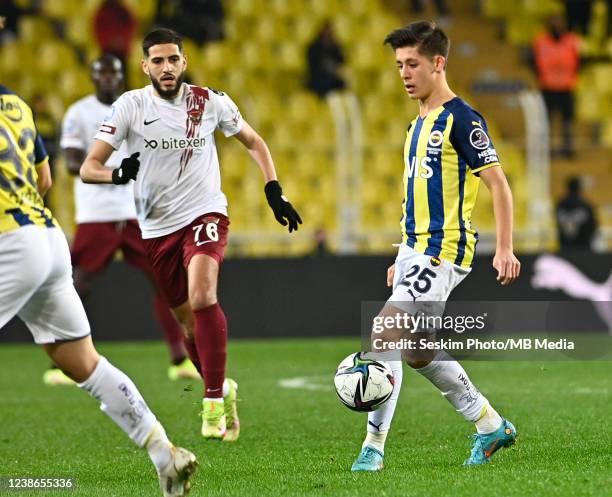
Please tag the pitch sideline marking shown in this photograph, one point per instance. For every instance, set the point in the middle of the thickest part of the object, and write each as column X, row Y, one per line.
column 313, row 382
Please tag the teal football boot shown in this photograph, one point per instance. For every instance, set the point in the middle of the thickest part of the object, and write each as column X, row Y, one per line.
column 486, row 445
column 369, row 459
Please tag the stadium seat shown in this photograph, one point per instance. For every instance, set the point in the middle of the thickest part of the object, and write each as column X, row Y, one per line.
column 79, row 32
column 73, row 84
column 144, row 10
column 214, row 56
column 55, row 57
column 34, row 29
column 61, row 9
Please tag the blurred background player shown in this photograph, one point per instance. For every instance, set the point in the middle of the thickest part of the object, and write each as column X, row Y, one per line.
column 106, row 215
column 447, row 151
column 169, row 127
column 36, row 285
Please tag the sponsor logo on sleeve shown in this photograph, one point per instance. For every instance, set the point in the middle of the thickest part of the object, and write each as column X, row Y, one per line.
column 11, row 109
column 479, row 139
column 107, row 128
column 236, row 118
column 489, row 155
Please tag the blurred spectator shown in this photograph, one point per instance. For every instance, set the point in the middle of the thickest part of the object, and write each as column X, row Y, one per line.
column 557, row 60
column 325, row 59
column 199, row 20
column 115, row 27
column 578, row 14
column 321, row 248
column 11, row 13
column 576, row 223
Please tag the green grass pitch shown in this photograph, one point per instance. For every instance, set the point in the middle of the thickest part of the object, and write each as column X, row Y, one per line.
column 302, row 441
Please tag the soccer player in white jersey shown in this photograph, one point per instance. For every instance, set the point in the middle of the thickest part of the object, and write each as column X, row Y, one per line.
column 447, row 151
column 168, row 128
column 106, row 215
column 36, row 285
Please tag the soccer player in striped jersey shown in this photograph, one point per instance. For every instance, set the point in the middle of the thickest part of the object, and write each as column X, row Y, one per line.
column 36, row 285
column 446, row 153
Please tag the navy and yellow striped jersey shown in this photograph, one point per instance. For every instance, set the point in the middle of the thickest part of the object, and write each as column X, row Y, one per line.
column 443, row 154
column 21, row 151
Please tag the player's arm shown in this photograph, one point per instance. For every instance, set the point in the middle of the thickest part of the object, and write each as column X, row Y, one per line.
column 41, row 163
column 258, row 150
column 93, row 170
column 284, row 212
column 74, row 159
column 43, row 181
column 507, row 265
column 390, row 275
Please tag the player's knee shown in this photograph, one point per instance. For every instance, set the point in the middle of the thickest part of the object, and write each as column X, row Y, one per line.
column 201, row 299
column 417, row 363
column 82, row 282
column 417, row 359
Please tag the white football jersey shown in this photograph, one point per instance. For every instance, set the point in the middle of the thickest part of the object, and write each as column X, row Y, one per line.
column 179, row 177
column 95, row 202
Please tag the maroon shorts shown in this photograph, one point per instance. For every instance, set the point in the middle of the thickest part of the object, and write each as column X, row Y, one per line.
column 169, row 255
column 95, row 244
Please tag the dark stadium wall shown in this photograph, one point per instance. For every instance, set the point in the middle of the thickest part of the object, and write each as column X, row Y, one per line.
column 291, row 297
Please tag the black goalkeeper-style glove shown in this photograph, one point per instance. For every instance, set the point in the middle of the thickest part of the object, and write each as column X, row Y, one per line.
column 127, row 170
column 283, row 210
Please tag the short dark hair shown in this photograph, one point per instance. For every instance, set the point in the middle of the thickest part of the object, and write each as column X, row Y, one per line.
column 106, row 59
column 429, row 39
column 160, row 36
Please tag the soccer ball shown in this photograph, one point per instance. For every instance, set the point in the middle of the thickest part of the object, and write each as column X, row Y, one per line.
column 363, row 384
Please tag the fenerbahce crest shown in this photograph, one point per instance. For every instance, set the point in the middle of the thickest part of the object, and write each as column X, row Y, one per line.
column 195, row 115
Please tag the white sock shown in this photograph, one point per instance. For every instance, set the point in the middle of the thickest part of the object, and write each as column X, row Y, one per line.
column 214, row 399
column 489, row 420
column 379, row 421
column 453, row 382
column 159, row 447
column 376, row 440
column 120, row 400
column 225, row 387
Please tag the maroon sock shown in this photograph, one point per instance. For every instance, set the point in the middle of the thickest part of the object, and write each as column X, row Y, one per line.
column 193, row 353
column 211, row 341
column 173, row 332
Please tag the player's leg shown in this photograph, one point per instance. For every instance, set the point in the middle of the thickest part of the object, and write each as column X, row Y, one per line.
column 446, row 374
column 174, row 335
column 93, row 249
column 379, row 421
column 20, row 275
column 204, row 246
column 56, row 317
column 210, row 336
column 493, row 432
column 165, row 255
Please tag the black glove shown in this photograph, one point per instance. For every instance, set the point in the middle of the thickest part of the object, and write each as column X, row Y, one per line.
column 283, row 210
column 127, row 170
